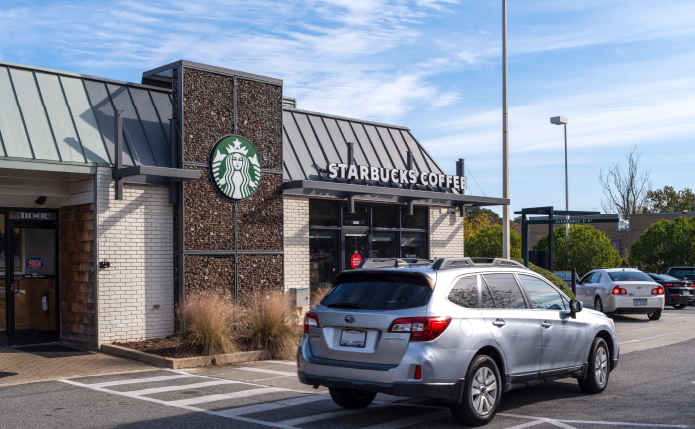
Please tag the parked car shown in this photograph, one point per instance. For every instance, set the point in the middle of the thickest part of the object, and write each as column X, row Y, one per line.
column 566, row 277
column 622, row 291
column 455, row 330
column 679, row 293
column 683, row 273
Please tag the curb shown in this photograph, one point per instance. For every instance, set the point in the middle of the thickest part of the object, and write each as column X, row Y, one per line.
column 189, row 362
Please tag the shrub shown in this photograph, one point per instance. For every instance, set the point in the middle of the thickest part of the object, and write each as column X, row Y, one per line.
column 665, row 244
column 552, row 278
column 208, row 323
column 271, row 327
column 317, row 294
column 487, row 243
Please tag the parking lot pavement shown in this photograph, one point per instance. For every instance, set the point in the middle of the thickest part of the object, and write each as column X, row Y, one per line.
column 637, row 332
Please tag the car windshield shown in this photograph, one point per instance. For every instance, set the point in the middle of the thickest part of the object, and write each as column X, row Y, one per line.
column 629, row 276
column 663, row 278
column 378, row 291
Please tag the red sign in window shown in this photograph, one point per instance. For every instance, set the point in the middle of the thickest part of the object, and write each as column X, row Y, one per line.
column 355, row 260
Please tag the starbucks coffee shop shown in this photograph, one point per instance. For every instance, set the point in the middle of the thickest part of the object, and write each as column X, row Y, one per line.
column 118, row 200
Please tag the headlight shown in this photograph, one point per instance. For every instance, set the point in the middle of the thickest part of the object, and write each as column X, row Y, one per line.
column 611, row 322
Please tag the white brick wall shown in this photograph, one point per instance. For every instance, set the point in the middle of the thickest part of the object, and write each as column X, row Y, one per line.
column 446, row 233
column 296, row 241
column 136, row 235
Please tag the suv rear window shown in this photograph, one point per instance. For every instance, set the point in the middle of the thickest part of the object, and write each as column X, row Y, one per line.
column 379, row 291
column 629, row 276
column 682, row 272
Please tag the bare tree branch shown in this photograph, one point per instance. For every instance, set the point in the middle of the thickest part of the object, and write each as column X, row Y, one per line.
column 625, row 192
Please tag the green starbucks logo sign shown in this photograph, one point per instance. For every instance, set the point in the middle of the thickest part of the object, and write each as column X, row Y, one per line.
column 234, row 167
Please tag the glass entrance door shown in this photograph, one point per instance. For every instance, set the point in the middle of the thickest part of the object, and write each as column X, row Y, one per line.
column 31, row 268
column 3, row 280
column 356, row 248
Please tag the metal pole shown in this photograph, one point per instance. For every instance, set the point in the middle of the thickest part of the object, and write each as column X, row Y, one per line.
column 567, row 190
column 505, row 139
column 574, row 282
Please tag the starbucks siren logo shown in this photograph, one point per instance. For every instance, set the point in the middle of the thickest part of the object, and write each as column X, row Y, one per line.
column 234, row 167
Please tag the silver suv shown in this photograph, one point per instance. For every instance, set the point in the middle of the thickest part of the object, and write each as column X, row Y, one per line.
column 454, row 330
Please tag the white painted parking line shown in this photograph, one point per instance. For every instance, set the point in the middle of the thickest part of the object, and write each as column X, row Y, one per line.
column 324, row 416
column 561, row 422
column 225, row 396
column 412, row 420
column 553, row 422
column 140, row 380
column 269, row 371
column 284, row 362
column 527, row 425
column 269, row 406
column 656, row 336
column 154, row 390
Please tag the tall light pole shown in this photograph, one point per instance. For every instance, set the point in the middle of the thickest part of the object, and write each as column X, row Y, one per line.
column 561, row 120
column 505, row 138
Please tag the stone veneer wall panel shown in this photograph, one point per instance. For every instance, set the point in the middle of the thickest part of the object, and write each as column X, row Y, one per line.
column 259, row 275
column 136, row 236
column 260, row 120
column 260, row 216
column 210, row 274
column 296, row 241
column 446, row 234
column 209, row 218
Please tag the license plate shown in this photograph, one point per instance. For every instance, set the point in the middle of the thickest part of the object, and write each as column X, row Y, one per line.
column 639, row 301
column 685, row 293
column 352, row 338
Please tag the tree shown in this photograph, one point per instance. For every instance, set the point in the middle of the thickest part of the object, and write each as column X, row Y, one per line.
column 487, row 243
column 478, row 211
column 477, row 219
column 625, row 192
column 668, row 200
column 586, row 250
column 665, row 244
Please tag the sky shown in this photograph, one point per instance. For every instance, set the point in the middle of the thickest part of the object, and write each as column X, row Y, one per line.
column 621, row 71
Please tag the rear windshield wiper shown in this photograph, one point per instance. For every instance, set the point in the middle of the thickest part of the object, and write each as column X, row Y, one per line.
column 343, row 305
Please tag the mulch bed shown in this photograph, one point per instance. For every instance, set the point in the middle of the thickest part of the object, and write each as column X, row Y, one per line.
column 169, row 347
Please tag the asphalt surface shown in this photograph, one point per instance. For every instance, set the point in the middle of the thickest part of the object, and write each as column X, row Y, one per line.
column 652, row 387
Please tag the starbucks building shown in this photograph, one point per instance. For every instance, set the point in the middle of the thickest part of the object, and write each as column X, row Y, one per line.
column 119, row 200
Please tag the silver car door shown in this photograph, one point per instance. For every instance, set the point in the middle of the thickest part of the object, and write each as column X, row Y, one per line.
column 564, row 338
column 585, row 292
column 513, row 325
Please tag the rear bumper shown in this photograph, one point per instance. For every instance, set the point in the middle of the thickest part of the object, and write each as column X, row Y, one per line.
column 448, row 391
column 680, row 299
column 637, row 310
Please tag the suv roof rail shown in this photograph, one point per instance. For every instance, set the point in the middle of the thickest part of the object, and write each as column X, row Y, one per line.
column 451, row 263
column 394, row 263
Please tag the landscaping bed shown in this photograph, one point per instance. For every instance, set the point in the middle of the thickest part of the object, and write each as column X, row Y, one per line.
column 170, row 347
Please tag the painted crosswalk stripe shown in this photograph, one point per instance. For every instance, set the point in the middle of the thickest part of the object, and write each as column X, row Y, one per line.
column 324, row 416
column 270, row 406
column 412, row 420
column 269, row 371
column 139, row 380
column 154, row 390
column 226, row 396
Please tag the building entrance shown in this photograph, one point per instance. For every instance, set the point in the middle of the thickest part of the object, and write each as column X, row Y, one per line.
column 28, row 277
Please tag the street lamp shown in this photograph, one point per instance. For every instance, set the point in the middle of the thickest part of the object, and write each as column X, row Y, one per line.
column 561, row 120
column 506, row 216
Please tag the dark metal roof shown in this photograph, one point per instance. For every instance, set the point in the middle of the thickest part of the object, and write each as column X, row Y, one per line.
column 312, row 140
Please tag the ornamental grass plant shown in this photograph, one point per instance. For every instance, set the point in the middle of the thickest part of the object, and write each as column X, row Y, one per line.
column 208, row 326
column 271, row 326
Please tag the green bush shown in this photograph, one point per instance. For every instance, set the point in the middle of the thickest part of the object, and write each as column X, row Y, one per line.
column 487, row 243
column 557, row 281
column 665, row 244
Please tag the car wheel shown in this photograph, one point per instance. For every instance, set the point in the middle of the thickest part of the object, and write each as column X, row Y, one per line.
column 481, row 394
column 598, row 371
column 352, row 399
column 598, row 304
column 679, row 306
column 654, row 316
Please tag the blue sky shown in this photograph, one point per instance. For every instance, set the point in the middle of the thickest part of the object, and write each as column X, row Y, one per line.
column 620, row 70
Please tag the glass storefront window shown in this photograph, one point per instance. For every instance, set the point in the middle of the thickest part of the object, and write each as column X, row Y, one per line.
column 418, row 220
column 3, row 265
column 324, row 252
column 414, row 245
column 384, row 216
column 384, row 244
column 359, row 218
column 324, row 213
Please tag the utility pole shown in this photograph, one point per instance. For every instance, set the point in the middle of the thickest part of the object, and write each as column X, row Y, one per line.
column 506, row 251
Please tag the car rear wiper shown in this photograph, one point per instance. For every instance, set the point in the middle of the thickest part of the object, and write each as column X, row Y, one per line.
column 343, row 305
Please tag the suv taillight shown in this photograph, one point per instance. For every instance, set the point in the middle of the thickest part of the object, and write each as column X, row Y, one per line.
column 310, row 321
column 421, row 328
column 619, row 291
column 658, row 290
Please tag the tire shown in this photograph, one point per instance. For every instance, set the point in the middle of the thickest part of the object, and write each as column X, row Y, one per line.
column 483, row 385
column 598, row 304
column 351, row 399
column 679, row 306
column 599, row 368
column 654, row 316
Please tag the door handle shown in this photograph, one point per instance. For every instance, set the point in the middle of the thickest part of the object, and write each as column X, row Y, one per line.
column 546, row 324
column 499, row 323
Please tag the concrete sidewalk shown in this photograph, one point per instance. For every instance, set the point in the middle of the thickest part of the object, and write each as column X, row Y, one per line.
column 42, row 363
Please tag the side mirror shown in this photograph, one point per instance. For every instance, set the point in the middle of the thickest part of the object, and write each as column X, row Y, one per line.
column 575, row 307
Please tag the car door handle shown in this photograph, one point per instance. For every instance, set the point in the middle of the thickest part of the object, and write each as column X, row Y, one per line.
column 546, row 324
column 499, row 323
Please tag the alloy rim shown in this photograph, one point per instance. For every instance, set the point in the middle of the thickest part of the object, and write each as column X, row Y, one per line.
column 601, row 366
column 484, row 391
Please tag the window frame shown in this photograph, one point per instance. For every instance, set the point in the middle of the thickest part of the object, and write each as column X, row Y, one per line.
column 527, row 301
column 544, row 280
column 478, row 300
